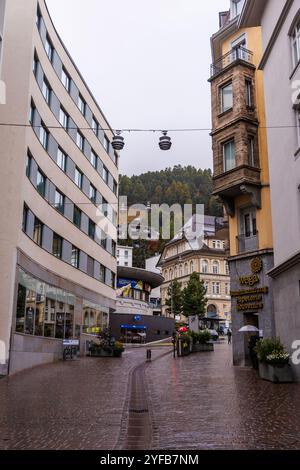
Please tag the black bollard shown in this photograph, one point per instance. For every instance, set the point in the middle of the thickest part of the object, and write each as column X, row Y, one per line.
column 149, row 354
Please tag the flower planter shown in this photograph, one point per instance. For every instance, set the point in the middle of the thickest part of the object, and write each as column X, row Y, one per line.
column 276, row 374
column 102, row 353
column 208, row 347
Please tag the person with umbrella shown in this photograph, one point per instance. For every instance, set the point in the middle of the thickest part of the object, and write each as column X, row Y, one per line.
column 229, row 335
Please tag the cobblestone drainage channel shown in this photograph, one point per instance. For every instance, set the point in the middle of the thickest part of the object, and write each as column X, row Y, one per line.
column 138, row 430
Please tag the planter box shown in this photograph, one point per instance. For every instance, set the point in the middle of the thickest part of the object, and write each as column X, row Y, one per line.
column 203, row 347
column 101, row 353
column 276, row 374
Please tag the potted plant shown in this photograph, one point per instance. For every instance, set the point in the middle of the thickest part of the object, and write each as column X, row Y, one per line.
column 202, row 341
column 184, row 344
column 105, row 346
column 273, row 361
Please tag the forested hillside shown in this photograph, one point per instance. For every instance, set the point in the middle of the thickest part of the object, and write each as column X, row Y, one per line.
column 181, row 185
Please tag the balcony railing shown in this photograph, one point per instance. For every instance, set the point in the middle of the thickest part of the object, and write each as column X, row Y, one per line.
column 238, row 53
column 246, row 243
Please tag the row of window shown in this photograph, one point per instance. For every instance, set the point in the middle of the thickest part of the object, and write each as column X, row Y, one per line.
column 226, row 95
column 72, row 89
column 206, row 268
column 52, row 242
column 66, row 122
column 217, row 288
column 64, row 162
column 66, row 207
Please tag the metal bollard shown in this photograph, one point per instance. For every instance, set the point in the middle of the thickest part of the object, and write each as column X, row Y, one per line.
column 149, row 354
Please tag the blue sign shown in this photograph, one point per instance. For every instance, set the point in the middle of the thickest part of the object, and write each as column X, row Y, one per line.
column 137, row 318
column 134, row 327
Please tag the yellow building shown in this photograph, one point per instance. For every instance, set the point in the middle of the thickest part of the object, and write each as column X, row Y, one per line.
column 182, row 257
column 241, row 172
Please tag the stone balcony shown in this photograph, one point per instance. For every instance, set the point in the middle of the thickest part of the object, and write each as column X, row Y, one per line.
column 241, row 180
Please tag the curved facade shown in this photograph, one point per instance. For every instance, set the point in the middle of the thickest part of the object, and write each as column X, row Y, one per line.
column 134, row 320
column 59, row 190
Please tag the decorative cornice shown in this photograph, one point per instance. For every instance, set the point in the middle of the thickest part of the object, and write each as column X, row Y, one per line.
column 275, row 33
column 285, row 266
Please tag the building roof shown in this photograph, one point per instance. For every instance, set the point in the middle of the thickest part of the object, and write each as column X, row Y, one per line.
column 138, row 274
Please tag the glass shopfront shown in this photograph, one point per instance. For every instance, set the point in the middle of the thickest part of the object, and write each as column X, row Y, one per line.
column 44, row 310
column 95, row 318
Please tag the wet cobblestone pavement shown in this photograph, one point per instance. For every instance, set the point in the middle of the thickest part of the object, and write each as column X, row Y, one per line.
column 202, row 402
column 192, row 403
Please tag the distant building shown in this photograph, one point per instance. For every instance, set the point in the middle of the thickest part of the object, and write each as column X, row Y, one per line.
column 155, row 298
column 124, row 256
column 182, row 257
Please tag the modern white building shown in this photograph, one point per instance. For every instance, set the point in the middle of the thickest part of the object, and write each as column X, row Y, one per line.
column 124, row 256
column 58, row 249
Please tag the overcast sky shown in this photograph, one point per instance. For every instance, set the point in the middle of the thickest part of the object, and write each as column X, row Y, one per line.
column 147, row 62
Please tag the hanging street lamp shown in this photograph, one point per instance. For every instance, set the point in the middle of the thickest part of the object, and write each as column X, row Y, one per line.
column 118, row 141
column 165, row 141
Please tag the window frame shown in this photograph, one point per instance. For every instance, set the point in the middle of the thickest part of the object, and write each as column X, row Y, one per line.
column 49, row 49
column 79, row 173
column 59, row 239
column 295, row 41
column 64, row 118
column 77, row 216
column 222, row 88
column 75, row 260
column 65, row 79
column 43, row 181
column 81, row 104
column 224, row 144
column 59, row 205
column 63, row 159
column 80, row 140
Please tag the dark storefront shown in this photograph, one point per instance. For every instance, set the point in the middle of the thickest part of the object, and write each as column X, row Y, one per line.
column 141, row 328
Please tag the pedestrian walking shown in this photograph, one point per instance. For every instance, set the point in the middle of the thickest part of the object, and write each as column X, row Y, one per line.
column 229, row 336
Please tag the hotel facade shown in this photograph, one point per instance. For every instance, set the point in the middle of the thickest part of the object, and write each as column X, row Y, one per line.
column 241, row 173
column 58, row 201
column 183, row 256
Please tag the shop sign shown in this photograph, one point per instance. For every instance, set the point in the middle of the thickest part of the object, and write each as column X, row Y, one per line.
column 251, row 300
column 71, row 342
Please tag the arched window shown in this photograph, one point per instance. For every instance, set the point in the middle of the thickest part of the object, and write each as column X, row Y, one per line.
column 204, row 266
column 176, row 273
column 191, row 267
column 166, row 275
column 212, row 311
column 180, row 270
column 186, row 269
column 216, row 267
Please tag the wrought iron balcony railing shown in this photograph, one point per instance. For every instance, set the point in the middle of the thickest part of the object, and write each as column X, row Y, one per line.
column 247, row 243
column 238, row 53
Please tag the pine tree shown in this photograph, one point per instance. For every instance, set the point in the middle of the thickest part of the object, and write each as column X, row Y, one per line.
column 174, row 299
column 194, row 297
